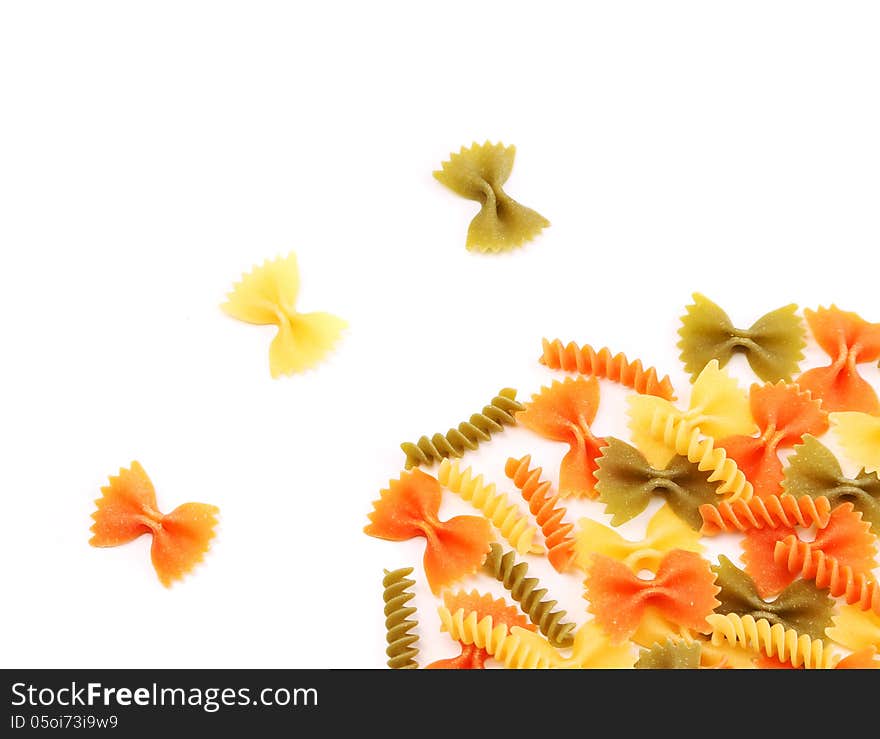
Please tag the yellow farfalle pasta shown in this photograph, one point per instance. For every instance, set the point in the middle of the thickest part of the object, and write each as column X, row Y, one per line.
column 719, row 408
column 511, row 523
column 593, row 649
column 859, row 435
column 267, row 295
column 786, row 645
column 664, row 531
column 855, row 629
column 517, row 648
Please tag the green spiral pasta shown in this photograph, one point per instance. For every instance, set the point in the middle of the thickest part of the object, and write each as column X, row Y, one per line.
column 468, row 435
column 402, row 650
column 504, row 568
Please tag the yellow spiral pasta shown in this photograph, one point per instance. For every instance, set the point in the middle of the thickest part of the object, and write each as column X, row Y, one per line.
column 517, row 648
column 468, row 434
column 687, row 440
column 772, row 640
column 513, row 525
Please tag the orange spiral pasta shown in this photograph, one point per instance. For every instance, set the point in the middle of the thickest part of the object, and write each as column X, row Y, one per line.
column 546, row 509
column 602, row 363
column 770, row 512
column 688, row 441
column 802, row 558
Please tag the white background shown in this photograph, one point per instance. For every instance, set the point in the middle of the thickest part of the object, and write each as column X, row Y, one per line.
column 152, row 152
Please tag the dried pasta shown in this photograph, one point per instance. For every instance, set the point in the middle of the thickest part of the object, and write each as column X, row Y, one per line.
column 859, row 435
column 626, row 482
column 267, row 295
column 813, row 470
column 670, row 655
column 773, row 345
column 593, row 649
column 772, row 640
column 399, row 624
column 801, row 606
column 846, row 575
column 846, row 541
column 855, row 628
column 512, row 524
column 849, row 340
column 718, row 409
column 546, row 509
column 665, row 531
column 866, row 659
column 477, row 173
column 683, row 591
column 784, row 414
column 727, row 460
column 408, row 508
column 127, row 509
column 467, row 435
column 515, row 647
column 525, row 591
column 472, row 656
column 770, row 512
column 654, row 628
column 602, row 363
column 563, row 412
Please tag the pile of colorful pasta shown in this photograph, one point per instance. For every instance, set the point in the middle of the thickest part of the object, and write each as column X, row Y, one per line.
column 805, row 595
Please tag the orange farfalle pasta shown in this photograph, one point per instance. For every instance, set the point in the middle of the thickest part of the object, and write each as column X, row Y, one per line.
column 586, row 360
column 563, row 412
column 849, row 340
column 127, row 509
column 546, row 509
column 682, row 592
column 784, row 414
column 864, row 659
column 408, row 507
column 473, row 657
column 770, row 512
column 470, row 658
column 846, row 540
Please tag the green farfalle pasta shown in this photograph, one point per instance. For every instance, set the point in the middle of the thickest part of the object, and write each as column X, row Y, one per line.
column 670, row 655
column 814, row 470
column 402, row 650
column 468, row 435
column 773, row 345
column 626, row 482
column 801, row 606
column 477, row 173
column 524, row 590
